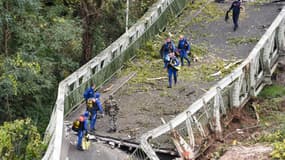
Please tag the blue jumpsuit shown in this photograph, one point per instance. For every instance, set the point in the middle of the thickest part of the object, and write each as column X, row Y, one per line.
column 82, row 130
column 97, row 106
column 236, row 11
column 183, row 47
column 167, row 48
column 172, row 71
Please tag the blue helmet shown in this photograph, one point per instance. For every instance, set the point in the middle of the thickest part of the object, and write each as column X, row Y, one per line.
column 86, row 114
column 97, row 95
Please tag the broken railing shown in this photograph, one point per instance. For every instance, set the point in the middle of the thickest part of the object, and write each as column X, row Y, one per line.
column 204, row 115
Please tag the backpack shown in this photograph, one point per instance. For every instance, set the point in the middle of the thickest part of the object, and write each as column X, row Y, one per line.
column 77, row 124
column 169, row 47
column 90, row 104
column 186, row 44
column 95, row 106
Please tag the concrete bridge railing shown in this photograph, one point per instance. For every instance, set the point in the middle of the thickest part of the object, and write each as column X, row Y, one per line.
column 232, row 92
column 102, row 67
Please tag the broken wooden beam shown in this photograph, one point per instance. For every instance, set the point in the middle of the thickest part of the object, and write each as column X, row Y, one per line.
column 158, row 78
column 129, row 144
column 108, row 88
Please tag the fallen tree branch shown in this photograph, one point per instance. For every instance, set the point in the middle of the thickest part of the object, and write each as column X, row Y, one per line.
column 158, row 78
column 108, row 89
column 204, row 90
column 226, row 68
column 256, row 113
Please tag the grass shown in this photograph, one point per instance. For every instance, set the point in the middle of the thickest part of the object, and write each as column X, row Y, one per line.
column 273, row 91
column 259, row 2
column 269, row 104
column 273, row 118
column 210, row 12
column 241, row 40
column 199, row 50
column 206, row 69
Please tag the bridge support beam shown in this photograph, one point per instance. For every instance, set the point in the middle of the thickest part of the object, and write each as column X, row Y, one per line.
column 281, row 37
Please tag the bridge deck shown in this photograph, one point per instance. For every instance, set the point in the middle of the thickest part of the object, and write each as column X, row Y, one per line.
column 141, row 110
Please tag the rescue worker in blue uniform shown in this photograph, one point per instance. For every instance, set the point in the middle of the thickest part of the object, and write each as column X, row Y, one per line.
column 236, row 6
column 83, row 127
column 167, row 48
column 97, row 107
column 89, row 92
column 172, row 69
column 184, row 49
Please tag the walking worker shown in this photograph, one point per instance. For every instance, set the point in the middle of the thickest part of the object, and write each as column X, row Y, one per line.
column 83, row 126
column 89, row 92
column 97, row 106
column 236, row 6
column 172, row 69
column 112, row 110
column 167, row 48
column 184, row 49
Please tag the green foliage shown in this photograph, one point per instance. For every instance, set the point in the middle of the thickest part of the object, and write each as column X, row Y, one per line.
column 43, row 43
column 271, row 108
column 209, row 12
column 199, row 50
column 242, row 40
column 207, row 70
column 145, row 67
column 149, row 51
column 277, row 139
column 27, row 86
column 273, row 91
column 259, row 2
column 197, row 5
column 20, row 140
column 137, row 9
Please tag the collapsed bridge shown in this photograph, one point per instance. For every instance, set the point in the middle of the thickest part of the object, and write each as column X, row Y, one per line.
column 232, row 91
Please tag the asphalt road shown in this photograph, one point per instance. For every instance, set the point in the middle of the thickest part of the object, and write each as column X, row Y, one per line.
column 97, row 151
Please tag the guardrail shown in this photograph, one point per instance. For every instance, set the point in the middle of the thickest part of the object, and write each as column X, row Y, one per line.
column 102, row 67
column 233, row 91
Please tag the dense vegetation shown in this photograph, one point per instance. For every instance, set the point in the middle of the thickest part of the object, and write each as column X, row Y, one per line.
column 271, row 106
column 42, row 42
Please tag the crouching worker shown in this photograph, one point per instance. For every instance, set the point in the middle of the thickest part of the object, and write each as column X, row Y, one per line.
column 172, row 69
column 82, row 129
column 112, row 110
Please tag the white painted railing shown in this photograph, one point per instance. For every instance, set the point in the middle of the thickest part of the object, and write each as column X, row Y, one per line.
column 70, row 89
column 233, row 91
